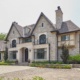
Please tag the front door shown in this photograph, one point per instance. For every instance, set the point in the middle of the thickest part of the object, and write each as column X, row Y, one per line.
column 26, row 55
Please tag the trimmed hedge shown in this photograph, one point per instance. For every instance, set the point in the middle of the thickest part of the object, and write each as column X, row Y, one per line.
column 59, row 66
column 74, row 59
column 7, row 62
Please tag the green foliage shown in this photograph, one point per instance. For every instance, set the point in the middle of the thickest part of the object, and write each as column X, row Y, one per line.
column 59, row 66
column 47, row 62
column 37, row 78
column 65, row 54
column 74, row 59
column 6, row 54
column 7, row 62
column 2, row 36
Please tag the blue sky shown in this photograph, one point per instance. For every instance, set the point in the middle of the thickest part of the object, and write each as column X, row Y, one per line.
column 26, row 12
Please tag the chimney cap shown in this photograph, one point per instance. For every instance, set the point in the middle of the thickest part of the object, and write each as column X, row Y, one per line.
column 59, row 8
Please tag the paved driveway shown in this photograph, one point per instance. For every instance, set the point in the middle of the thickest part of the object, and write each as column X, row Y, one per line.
column 7, row 69
column 27, row 73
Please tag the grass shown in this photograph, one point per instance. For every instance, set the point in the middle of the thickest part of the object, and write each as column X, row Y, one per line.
column 7, row 62
column 34, row 78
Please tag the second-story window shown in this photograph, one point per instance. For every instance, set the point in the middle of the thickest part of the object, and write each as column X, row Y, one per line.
column 13, row 43
column 42, row 39
column 65, row 37
column 28, row 39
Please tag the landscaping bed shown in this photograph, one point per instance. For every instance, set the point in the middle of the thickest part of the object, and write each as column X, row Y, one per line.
column 7, row 62
column 51, row 65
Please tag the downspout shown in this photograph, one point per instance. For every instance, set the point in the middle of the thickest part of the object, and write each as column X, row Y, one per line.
column 49, row 52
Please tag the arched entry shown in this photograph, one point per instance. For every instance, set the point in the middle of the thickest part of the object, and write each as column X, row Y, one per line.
column 26, row 54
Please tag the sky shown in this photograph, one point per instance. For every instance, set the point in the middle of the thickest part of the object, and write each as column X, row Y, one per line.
column 26, row 12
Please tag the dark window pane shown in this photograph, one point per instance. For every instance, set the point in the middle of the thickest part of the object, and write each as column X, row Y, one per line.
column 28, row 40
column 40, row 54
column 14, row 43
column 42, row 24
column 65, row 37
column 42, row 39
column 14, row 54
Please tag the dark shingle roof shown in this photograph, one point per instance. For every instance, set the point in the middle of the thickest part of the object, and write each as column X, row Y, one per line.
column 19, row 28
column 68, row 26
column 31, row 27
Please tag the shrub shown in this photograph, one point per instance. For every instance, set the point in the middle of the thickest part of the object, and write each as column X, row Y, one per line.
column 6, row 54
column 74, row 59
column 65, row 54
column 59, row 66
column 37, row 78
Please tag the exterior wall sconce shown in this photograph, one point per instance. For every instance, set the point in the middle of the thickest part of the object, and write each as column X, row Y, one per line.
column 29, row 50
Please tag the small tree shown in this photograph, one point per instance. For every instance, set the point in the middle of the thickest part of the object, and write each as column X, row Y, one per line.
column 65, row 54
column 6, row 54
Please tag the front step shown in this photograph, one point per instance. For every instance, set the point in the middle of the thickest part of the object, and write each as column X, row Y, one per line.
column 23, row 64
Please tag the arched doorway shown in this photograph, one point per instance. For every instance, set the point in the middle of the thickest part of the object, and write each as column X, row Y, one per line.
column 26, row 54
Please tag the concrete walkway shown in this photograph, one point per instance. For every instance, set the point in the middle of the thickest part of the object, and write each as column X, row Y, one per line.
column 7, row 69
column 27, row 73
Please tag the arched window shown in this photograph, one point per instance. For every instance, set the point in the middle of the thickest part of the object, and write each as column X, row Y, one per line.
column 42, row 39
column 13, row 43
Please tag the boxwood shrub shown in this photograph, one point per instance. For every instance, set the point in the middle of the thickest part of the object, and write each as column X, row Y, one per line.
column 75, row 59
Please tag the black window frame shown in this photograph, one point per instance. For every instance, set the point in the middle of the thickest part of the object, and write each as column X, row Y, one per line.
column 13, row 43
column 42, row 39
column 65, row 37
column 14, row 56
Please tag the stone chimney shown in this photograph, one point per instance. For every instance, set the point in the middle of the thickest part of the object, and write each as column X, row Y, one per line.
column 59, row 17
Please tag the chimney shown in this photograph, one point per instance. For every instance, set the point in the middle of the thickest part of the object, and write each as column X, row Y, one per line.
column 59, row 17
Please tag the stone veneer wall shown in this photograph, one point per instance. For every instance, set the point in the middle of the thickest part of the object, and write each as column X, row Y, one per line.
column 50, row 36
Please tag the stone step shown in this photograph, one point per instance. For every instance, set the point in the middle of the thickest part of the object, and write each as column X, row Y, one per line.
column 23, row 64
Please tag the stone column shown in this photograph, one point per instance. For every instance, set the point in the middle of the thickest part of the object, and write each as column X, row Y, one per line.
column 19, row 56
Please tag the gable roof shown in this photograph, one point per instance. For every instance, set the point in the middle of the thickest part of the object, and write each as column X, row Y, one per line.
column 18, row 28
column 68, row 26
column 31, row 27
column 42, row 14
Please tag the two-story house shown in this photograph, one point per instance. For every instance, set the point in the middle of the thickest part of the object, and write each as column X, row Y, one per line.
column 42, row 41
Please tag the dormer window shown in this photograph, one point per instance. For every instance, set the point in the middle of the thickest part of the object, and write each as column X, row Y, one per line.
column 42, row 24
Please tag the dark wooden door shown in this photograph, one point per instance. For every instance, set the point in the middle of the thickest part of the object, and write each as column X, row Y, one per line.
column 26, row 55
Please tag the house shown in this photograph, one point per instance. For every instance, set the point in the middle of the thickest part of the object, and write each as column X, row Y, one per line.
column 42, row 41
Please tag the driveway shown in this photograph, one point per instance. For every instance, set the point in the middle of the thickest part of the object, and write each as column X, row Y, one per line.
column 7, row 69
column 27, row 73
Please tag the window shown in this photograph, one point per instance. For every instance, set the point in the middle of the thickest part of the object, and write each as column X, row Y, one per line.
column 42, row 39
column 42, row 24
column 65, row 37
column 40, row 53
column 14, row 55
column 14, row 43
column 28, row 40
column 0, row 56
